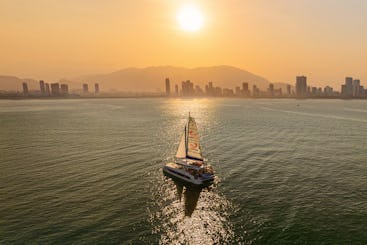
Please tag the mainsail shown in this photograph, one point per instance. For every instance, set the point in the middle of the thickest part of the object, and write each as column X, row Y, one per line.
column 193, row 145
column 181, row 151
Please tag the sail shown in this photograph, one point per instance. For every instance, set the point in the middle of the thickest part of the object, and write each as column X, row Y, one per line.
column 181, row 151
column 193, row 144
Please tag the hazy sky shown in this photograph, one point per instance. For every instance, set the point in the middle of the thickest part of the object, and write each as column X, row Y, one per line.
column 278, row 39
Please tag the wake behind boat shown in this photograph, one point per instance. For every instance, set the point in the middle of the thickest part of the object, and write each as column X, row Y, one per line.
column 189, row 166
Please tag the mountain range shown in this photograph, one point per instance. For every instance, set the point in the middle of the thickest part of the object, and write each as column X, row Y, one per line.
column 152, row 79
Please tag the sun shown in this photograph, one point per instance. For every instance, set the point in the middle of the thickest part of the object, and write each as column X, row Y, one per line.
column 190, row 18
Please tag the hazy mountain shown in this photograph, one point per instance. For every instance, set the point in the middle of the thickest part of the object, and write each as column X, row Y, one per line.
column 13, row 83
column 152, row 78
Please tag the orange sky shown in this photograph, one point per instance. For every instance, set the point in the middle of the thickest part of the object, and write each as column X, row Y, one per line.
column 50, row 39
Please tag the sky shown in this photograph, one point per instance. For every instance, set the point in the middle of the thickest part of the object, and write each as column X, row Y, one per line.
column 277, row 39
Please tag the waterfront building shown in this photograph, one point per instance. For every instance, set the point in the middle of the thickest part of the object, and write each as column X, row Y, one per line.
column 187, row 88
column 25, row 88
column 176, row 90
column 96, row 88
column 168, row 87
column 55, row 89
column 218, row 91
column 42, row 87
column 85, row 88
column 289, row 87
column 255, row 91
column 271, row 89
column 47, row 89
column 328, row 91
column 349, row 86
column 245, row 87
column 64, row 89
column 238, row 91
column 301, row 86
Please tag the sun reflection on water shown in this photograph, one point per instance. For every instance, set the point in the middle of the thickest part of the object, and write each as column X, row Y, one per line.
column 191, row 217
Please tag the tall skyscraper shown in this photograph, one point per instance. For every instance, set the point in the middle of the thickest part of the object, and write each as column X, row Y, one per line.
column 187, row 88
column 301, row 86
column 47, row 92
column 176, row 90
column 349, row 86
column 356, row 88
column 168, row 87
column 289, row 89
column 271, row 89
column 255, row 91
column 42, row 87
column 25, row 88
column 96, row 88
column 55, row 89
column 85, row 88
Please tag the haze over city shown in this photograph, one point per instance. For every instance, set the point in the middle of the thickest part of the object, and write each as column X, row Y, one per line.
column 277, row 40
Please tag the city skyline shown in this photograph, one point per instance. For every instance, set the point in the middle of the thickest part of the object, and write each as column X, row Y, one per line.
column 52, row 40
column 351, row 89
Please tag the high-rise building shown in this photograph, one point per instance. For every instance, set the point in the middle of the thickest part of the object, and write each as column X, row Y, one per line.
column 64, row 88
column 85, row 88
column 168, row 87
column 25, row 88
column 289, row 89
column 176, row 90
column 245, row 87
column 238, row 91
column 356, row 88
column 255, row 91
column 348, row 86
column 55, row 89
column 47, row 87
column 96, row 88
column 42, row 87
column 301, row 86
column 271, row 89
column 187, row 88
column 328, row 91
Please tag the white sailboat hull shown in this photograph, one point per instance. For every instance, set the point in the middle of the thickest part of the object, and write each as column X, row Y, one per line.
column 183, row 176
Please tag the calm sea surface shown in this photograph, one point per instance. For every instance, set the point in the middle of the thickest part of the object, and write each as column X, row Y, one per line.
column 90, row 171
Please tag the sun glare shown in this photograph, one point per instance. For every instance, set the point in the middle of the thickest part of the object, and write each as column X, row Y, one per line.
column 190, row 18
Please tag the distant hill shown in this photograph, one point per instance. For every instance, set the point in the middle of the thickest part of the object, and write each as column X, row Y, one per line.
column 13, row 83
column 152, row 78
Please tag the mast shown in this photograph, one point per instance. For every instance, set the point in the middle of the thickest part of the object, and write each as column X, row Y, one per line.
column 186, row 138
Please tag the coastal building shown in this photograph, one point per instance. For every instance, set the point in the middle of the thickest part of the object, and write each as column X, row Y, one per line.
column 255, row 91
column 176, row 90
column 301, row 86
column 42, row 87
column 168, row 87
column 55, row 89
column 271, row 89
column 187, row 88
column 96, row 88
column 245, row 89
column 64, row 89
column 238, row 91
column 289, row 87
column 25, row 88
column 328, row 91
column 47, row 89
column 85, row 88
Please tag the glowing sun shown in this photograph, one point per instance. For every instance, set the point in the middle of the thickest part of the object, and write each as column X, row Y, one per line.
column 190, row 18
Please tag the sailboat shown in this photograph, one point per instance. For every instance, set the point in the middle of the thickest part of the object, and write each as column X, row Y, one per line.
column 189, row 166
